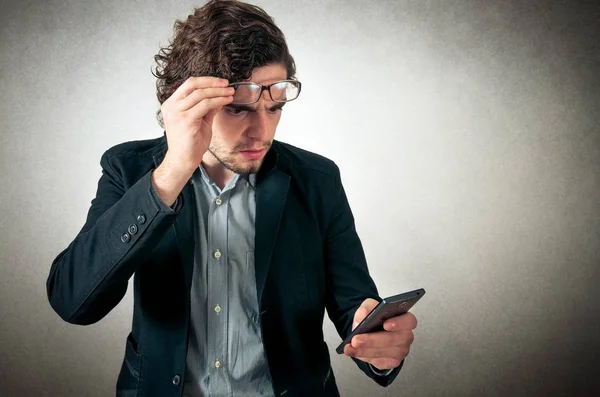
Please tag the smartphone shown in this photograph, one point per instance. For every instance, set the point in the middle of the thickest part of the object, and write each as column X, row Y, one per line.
column 387, row 308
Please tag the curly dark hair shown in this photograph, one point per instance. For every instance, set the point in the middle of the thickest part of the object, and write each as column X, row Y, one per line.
column 224, row 38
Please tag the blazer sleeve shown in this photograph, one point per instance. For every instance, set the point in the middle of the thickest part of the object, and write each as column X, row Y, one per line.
column 89, row 278
column 348, row 280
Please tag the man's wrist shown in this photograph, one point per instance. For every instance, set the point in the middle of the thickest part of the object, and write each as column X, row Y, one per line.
column 168, row 181
column 162, row 204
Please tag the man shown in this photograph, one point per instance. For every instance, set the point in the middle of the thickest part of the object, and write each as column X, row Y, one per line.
column 237, row 242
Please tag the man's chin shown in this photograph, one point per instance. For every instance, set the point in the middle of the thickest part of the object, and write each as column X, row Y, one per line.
column 246, row 167
column 254, row 167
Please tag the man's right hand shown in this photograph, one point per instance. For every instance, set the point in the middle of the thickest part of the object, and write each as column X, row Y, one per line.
column 188, row 115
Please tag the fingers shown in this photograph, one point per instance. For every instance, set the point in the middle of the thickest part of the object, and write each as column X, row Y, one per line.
column 199, row 95
column 396, row 352
column 208, row 105
column 195, row 83
column 385, row 349
column 383, row 339
column 406, row 321
column 194, row 99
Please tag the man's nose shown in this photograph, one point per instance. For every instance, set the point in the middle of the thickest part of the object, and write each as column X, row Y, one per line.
column 260, row 125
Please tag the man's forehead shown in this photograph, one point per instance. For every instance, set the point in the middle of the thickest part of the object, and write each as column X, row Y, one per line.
column 268, row 74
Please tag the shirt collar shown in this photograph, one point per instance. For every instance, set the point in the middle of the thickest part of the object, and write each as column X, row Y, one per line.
column 250, row 178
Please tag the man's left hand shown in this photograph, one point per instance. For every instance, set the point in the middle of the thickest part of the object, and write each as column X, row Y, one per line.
column 385, row 349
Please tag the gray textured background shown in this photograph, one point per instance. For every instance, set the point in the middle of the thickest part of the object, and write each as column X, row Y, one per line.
column 468, row 137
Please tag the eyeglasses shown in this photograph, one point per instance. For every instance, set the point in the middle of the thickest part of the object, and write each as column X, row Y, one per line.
column 281, row 91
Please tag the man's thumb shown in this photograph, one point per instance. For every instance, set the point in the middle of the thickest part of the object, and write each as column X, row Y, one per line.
column 363, row 311
column 211, row 115
column 360, row 315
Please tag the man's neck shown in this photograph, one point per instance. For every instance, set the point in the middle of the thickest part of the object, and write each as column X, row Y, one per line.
column 217, row 172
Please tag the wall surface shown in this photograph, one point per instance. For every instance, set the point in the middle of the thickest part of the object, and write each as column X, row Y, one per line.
column 468, row 137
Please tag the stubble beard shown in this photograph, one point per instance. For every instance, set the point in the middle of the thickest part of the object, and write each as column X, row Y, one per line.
column 228, row 159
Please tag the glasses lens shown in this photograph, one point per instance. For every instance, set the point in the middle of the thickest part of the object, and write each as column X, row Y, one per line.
column 285, row 91
column 246, row 93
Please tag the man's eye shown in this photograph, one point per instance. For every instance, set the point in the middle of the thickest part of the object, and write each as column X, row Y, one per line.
column 234, row 111
column 275, row 110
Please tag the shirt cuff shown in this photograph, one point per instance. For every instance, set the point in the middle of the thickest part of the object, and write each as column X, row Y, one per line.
column 380, row 372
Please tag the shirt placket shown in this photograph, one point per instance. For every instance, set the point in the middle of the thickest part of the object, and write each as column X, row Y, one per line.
column 218, row 292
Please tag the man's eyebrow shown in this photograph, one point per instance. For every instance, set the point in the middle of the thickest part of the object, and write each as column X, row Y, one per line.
column 277, row 106
column 247, row 108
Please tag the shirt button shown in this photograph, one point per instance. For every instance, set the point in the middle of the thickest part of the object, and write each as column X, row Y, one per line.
column 125, row 237
column 217, row 254
column 217, row 364
column 176, row 380
column 247, row 183
column 218, row 309
column 218, row 201
column 133, row 229
column 141, row 219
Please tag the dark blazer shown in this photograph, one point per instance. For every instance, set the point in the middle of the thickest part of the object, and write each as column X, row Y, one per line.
column 308, row 258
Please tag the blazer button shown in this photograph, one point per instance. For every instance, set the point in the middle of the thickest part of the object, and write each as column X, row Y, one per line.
column 141, row 219
column 125, row 237
column 176, row 380
column 133, row 229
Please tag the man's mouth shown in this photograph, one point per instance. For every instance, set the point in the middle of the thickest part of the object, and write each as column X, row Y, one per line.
column 253, row 153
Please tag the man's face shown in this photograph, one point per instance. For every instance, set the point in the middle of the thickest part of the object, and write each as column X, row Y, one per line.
column 242, row 134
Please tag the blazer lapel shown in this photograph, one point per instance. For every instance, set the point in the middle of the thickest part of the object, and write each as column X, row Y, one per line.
column 271, row 194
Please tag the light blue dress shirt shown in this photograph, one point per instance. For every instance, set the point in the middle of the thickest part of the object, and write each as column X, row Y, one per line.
column 226, row 355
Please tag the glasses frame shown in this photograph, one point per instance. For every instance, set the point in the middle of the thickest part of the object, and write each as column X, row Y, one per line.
column 268, row 89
